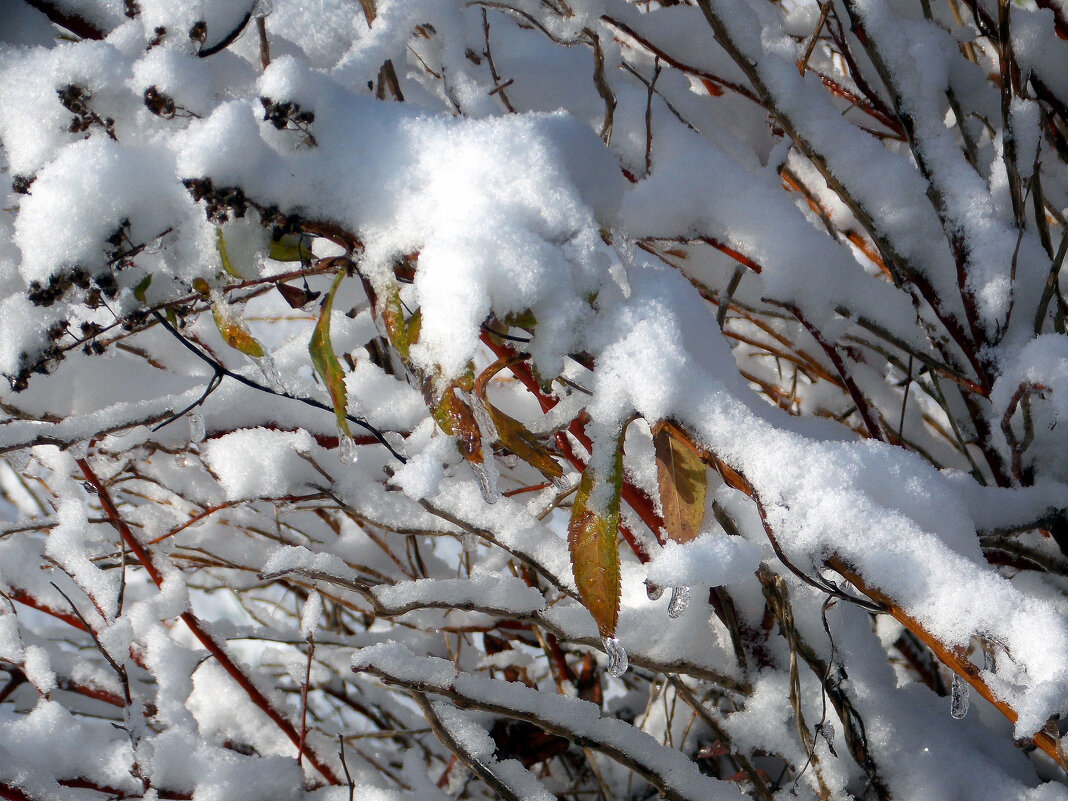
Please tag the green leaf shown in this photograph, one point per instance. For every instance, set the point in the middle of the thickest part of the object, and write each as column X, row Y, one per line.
column 592, row 538
column 683, row 484
column 325, row 361
column 142, row 288
column 233, row 329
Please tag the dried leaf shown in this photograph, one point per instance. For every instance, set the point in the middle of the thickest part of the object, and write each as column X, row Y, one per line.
column 295, row 296
column 683, row 483
column 233, row 329
column 325, row 362
column 592, row 538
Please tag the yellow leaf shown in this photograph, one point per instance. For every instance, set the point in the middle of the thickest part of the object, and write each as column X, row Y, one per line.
column 289, row 248
column 325, row 361
column 683, row 483
column 592, row 539
column 220, row 244
column 514, row 436
column 233, row 329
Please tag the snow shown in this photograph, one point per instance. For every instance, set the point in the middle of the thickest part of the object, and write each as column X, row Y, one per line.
column 582, row 212
column 707, row 561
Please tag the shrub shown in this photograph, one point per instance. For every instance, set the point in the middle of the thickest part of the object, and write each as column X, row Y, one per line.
column 533, row 400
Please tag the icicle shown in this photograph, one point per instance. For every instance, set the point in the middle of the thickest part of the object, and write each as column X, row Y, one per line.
column 271, row 375
column 79, row 449
column 617, row 657
column 487, row 482
column 654, row 591
column 196, row 427
column 347, row 451
column 183, row 459
column 680, row 598
column 958, row 698
column 482, row 417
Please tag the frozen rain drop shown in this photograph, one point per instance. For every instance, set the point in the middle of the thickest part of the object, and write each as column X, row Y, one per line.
column 680, row 598
column 958, row 698
column 654, row 591
column 346, row 451
column 196, row 427
column 617, row 657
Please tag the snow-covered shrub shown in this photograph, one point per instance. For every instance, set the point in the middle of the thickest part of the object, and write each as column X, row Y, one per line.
column 533, row 399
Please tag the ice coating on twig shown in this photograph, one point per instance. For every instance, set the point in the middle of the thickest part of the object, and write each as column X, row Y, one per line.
column 617, row 656
column 197, row 430
column 959, row 698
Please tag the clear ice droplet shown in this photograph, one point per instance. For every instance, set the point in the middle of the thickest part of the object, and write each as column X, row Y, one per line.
column 958, row 698
column 197, row 430
column 617, row 657
column 347, row 451
column 680, row 599
column 654, row 591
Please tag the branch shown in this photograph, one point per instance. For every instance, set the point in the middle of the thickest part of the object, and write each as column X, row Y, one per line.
column 220, row 369
column 199, row 631
column 954, row 658
column 670, row 771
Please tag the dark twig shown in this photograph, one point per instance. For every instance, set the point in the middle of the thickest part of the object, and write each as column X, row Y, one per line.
column 215, row 365
column 230, row 38
column 120, row 671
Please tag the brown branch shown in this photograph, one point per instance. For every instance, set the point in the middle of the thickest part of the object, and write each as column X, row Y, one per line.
column 953, row 658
